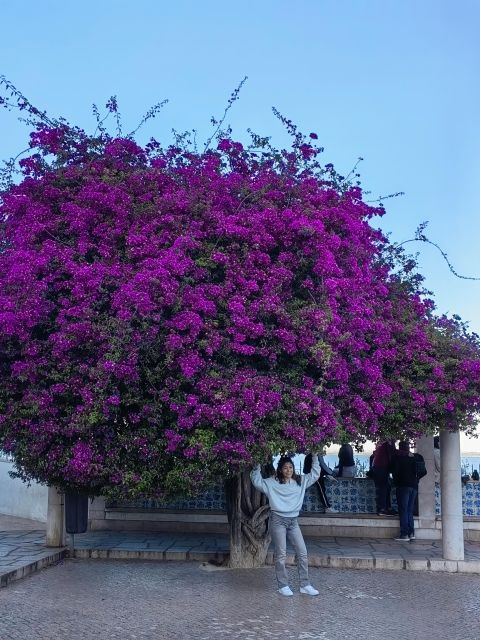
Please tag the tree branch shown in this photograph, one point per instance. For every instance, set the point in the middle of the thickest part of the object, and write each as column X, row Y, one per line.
column 421, row 237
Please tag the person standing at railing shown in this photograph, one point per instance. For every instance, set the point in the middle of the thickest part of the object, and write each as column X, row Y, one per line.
column 346, row 467
column 407, row 469
column 381, row 467
column 320, row 483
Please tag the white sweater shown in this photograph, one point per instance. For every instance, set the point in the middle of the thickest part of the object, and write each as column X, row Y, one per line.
column 285, row 499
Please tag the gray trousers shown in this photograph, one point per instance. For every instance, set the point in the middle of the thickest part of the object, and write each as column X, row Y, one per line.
column 280, row 529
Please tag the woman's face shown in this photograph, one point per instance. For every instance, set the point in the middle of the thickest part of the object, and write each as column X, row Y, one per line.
column 287, row 470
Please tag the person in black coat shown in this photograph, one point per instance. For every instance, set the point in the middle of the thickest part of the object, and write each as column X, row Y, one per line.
column 406, row 471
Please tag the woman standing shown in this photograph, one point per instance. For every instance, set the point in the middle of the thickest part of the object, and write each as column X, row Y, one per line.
column 320, row 484
column 346, row 467
column 285, row 494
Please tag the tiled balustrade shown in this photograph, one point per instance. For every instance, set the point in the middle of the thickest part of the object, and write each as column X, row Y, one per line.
column 355, row 495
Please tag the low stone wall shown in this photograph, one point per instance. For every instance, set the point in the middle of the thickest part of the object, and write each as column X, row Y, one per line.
column 470, row 498
column 356, row 495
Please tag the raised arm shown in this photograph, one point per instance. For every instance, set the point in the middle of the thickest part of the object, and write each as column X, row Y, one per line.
column 313, row 476
column 257, row 480
column 324, row 466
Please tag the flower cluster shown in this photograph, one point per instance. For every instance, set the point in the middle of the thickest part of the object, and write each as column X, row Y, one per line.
column 167, row 316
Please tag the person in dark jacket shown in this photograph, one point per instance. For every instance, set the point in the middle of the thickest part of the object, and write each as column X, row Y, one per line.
column 381, row 464
column 405, row 478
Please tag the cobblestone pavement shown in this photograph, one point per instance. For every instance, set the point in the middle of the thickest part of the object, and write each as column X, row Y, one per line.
column 23, row 550
column 103, row 600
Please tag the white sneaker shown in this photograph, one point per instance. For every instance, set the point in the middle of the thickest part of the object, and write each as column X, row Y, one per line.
column 330, row 510
column 309, row 590
column 285, row 591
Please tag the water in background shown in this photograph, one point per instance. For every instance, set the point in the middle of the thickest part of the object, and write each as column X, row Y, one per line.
column 469, row 463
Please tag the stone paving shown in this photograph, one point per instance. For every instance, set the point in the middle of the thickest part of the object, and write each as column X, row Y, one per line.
column 105, row 600
column 23, row 550
column 323, row 552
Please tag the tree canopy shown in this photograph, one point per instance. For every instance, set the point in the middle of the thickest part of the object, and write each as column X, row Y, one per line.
column 169, row 315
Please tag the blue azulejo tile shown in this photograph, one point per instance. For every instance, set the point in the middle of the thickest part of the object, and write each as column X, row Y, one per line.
column 349, row 496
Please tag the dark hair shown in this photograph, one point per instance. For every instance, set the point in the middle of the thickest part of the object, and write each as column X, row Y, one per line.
column 404, row 445
column 283, row 461
column 436, row 442
column 345, row 456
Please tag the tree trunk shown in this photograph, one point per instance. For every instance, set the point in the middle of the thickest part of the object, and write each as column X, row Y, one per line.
column 248, row 513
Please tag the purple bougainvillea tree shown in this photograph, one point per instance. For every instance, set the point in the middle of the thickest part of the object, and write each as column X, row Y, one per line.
column 169, row 316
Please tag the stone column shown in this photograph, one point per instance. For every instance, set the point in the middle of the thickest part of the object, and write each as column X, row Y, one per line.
column 426, row 489
column 55, row 518
column 451, row 486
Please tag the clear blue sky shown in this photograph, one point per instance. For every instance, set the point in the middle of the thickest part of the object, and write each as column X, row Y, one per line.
column 393, row 82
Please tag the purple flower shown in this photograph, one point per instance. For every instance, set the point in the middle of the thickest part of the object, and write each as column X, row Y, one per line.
column 168, row 315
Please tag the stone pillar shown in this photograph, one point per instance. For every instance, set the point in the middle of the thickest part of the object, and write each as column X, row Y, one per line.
column 451, row 486
column 426, row 489
column 55, row 518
